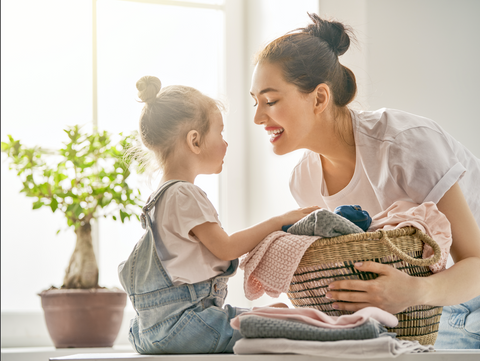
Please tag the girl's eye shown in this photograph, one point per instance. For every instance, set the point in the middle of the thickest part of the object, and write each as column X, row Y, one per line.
column 254, row 105
column 271, row 103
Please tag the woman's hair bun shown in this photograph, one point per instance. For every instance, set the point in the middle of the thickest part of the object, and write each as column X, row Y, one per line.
column 334, row 33
column 148, row 88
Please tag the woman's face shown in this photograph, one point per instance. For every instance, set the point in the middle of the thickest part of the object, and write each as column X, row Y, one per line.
column 285, row 112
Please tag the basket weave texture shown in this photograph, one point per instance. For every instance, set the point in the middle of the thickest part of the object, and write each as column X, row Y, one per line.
column 333, row 259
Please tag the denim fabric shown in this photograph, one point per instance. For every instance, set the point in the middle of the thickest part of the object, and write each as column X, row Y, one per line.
column 460, row 326
column 356, row 215
column 189, row 318
column 264, row 327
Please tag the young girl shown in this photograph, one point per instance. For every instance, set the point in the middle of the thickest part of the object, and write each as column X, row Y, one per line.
column 176, row 277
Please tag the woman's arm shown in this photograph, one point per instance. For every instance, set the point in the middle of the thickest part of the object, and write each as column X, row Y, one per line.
column 394, row 290
column 230, row 247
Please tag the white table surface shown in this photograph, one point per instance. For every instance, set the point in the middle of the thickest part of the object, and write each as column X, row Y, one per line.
column 444, row 355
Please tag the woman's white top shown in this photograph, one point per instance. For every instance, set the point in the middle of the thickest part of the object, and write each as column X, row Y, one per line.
column 399, row 156
column 185, row 259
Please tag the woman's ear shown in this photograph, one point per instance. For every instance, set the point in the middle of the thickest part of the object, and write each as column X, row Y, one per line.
column 322, row 98
column 193, row 141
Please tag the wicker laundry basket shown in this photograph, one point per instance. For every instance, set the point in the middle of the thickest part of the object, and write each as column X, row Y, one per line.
column 332, row 259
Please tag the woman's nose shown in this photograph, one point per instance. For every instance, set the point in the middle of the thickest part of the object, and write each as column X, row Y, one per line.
column 259, row 117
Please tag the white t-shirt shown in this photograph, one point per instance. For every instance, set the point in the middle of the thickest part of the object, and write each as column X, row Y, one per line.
column 399, row 156
column 186, row 260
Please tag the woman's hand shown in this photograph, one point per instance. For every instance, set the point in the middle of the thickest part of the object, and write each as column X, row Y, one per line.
column 392, row 291
column 296, row 215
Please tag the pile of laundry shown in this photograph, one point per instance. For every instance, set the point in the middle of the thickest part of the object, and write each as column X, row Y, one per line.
column 308, row 331
column 269, row 269
column 270, row 266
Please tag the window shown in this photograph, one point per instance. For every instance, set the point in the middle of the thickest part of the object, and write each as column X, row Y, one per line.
column 53, row 77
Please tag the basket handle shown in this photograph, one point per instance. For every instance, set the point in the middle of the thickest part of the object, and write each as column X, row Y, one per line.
column 415, row 261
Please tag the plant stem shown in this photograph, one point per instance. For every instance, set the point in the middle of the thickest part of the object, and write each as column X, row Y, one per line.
column 82, row 271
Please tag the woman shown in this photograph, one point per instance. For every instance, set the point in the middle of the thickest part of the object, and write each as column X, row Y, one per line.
column 373, row 159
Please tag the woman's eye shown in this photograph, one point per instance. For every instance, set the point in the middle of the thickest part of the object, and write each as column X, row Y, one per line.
column 271, row 103
column 254, row 105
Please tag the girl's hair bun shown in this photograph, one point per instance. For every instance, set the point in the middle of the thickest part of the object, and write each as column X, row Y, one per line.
column 148, row 88
column 334, row 33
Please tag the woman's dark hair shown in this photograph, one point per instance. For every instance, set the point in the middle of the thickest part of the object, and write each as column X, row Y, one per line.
column 309, row 57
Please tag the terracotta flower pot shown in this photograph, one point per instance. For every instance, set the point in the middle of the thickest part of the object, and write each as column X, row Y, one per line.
column 83, row 318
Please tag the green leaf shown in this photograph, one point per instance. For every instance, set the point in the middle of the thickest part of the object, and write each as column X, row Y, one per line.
column 37, row 204
column 54, row 204
column 124, row 215
column 44, row 188
column 58, row 177
column 77, row 210
column 114, row 218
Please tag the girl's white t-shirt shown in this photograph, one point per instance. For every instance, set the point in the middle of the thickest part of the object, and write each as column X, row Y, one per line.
column 186, row 260
column 399, row 157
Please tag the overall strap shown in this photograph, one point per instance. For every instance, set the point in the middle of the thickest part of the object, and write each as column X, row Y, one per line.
column 152, row 200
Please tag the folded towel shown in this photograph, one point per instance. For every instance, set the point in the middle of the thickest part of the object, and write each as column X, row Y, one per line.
column 383, row 346
column 264, row 327
column 317, row 318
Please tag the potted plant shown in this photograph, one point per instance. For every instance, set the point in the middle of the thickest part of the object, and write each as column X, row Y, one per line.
column 84, row 180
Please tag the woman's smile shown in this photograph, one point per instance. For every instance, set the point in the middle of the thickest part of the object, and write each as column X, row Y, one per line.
column 274, row 132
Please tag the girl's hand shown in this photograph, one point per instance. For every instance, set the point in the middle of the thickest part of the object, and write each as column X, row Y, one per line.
column 228, row 247
column 392, row 291
column 296, row 215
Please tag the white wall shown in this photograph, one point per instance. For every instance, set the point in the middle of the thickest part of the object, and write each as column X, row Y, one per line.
column 418, row 56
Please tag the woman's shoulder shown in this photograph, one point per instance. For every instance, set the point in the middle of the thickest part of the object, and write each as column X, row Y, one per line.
column 387, row 124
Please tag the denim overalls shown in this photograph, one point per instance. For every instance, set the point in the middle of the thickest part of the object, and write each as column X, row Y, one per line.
column 175, row 319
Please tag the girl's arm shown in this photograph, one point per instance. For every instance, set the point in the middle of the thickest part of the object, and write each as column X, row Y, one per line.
column 395, row 291
column 230, row 247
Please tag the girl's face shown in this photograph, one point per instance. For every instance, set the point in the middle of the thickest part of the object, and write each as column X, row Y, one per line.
column 285, row 112
column 214, row 147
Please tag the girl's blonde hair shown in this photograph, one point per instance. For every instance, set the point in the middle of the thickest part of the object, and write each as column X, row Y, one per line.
column 169, row 114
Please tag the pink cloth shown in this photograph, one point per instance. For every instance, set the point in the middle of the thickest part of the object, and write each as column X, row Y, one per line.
column 311, row 316
column 427, row 218
column 270, row 266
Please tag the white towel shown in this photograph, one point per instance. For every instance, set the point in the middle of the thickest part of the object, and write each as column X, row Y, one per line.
column 373, row 348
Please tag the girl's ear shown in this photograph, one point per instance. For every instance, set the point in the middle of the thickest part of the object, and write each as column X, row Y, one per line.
column 322, row 98
column 193, row 141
